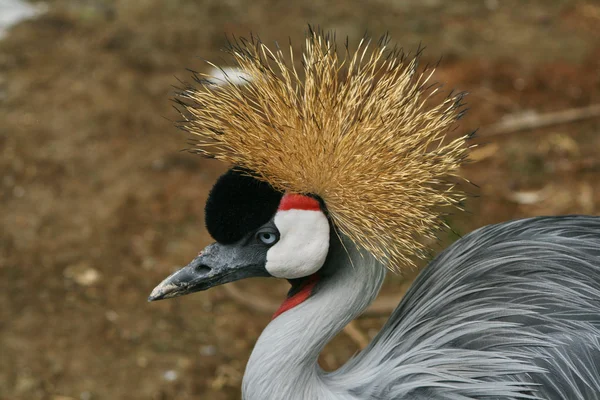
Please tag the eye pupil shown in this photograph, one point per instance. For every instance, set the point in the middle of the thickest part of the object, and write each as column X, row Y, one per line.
column 267, row 237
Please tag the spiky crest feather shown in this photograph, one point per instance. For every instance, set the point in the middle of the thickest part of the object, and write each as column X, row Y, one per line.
column 354, row 130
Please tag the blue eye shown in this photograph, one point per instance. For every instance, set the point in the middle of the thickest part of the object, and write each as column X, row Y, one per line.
column 267, row 237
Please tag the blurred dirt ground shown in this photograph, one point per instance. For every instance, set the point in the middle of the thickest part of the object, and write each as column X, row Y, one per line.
column 98, row 204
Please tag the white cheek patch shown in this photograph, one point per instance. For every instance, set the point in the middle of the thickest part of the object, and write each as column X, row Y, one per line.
column 303, row 244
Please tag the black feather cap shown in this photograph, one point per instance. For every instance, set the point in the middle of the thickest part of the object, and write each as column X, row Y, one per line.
column 237, row 204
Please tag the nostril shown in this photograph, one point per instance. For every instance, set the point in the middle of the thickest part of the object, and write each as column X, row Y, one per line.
column 202, row 269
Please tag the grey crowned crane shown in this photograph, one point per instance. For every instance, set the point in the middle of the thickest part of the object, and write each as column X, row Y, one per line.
column 338, row 171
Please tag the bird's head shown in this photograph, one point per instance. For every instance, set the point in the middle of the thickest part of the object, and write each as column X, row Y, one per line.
column 359, row 130
column 259, row 232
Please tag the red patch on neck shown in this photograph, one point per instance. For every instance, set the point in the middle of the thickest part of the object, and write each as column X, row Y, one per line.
column 299, row 297
column 299, row 202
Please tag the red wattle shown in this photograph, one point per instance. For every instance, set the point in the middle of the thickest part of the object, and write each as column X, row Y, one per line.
column 298, row 202
column 303, row 294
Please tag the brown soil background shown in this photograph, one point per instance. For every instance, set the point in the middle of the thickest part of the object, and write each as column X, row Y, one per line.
column 98, row 205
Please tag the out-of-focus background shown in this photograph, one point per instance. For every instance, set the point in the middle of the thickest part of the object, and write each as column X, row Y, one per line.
column 97, row 204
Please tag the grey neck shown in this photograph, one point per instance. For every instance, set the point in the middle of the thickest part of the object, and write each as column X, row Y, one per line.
column 283, row 364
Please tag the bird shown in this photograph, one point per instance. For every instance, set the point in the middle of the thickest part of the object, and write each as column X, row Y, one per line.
column 339, row 173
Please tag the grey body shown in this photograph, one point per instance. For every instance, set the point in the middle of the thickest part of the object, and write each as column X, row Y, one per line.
column 510, row 311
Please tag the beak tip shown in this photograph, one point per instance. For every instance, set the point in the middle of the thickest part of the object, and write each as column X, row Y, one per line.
column 155, row 295
column 164, row 291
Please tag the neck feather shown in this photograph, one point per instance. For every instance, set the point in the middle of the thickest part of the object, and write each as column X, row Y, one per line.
column 284, row 363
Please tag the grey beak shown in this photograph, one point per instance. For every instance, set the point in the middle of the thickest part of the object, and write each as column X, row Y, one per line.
column 215, row 265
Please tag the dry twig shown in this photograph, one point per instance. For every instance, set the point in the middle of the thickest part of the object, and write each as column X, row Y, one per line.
column 380, row 307
column 531, row 121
